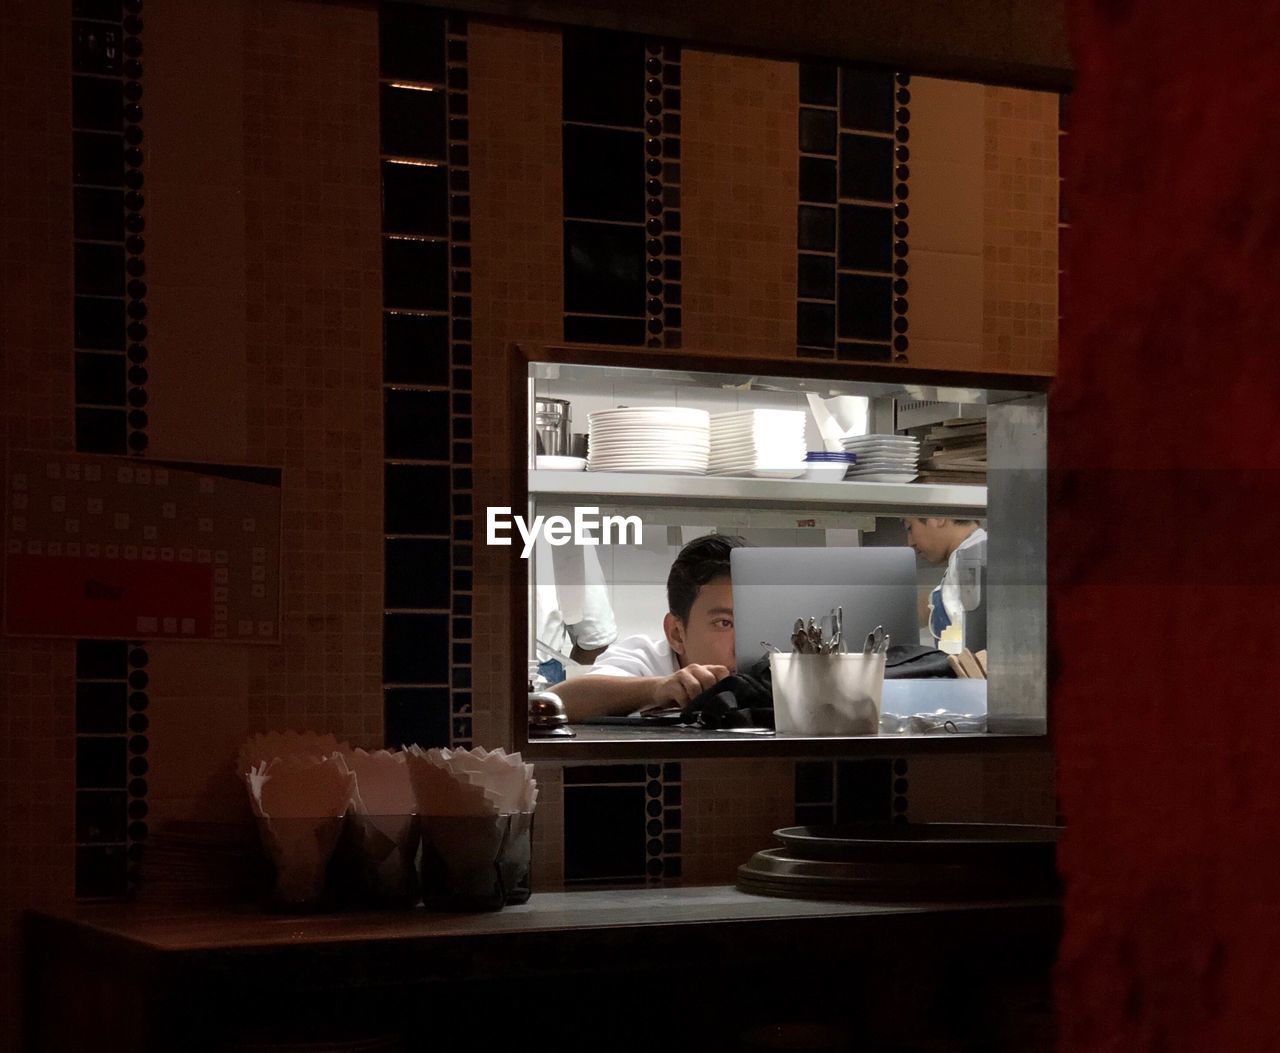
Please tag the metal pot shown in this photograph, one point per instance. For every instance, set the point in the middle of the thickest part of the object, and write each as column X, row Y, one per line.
column 551, row 425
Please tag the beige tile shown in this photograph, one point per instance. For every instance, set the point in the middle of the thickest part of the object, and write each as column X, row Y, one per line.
column 731, row 808
column 944, row 789
column 945, row 297
column 739, row 177
column 946, row 122
column 946, row 207
column 945, row 354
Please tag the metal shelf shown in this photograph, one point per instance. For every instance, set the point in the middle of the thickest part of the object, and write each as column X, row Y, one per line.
column 718, row 490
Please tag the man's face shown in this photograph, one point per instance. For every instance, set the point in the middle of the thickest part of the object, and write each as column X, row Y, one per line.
column 927, row 537
column 706, row 638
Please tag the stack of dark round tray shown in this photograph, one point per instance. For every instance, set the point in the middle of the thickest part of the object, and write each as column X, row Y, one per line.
column 905, row 862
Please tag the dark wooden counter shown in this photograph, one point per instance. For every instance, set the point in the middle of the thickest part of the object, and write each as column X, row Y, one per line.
column 568, row 968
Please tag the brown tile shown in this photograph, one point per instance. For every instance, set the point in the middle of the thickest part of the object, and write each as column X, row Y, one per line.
column 946, row 298
column 740, row 175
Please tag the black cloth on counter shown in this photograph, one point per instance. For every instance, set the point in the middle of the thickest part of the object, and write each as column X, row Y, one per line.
column 740, row 700
column 914, row 662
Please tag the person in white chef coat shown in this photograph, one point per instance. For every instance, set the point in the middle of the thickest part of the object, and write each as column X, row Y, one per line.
column 940, row 541
column 574, row 616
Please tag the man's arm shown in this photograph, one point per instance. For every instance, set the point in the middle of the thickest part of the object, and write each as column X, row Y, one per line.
column 601, row 695
column 587, row 655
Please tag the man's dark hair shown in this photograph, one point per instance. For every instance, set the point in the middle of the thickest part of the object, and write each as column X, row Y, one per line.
column 701, row 561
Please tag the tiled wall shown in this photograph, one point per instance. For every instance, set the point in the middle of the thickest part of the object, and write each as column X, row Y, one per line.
column 946, row 222
column 260, row 258
column 741, row 174
column 712, row 815
column 312, row 384
column 265, row 348
column 517, row 224
column 1020, row 230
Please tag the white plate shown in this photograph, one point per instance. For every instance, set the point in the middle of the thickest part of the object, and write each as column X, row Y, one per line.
column 649, row 423
column 760, row 473
column 759, row 440
column 882, row 477
column 863, row 441
column 759, row 413
column 883, row 451
column 597, row 456
column 652, row 435
column 754, row 462
column 657, row 444
column 649, row 469
column 790, row 453
column 787, row 423
column 633, row 414
column 602, row 426
column 546, row 462
column 767, row 457
column 637, row 458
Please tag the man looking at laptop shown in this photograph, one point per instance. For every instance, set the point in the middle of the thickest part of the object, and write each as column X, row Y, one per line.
column 638, row 673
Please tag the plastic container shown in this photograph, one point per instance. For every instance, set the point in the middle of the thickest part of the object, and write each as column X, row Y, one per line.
column 827, row 694
column 928, row 706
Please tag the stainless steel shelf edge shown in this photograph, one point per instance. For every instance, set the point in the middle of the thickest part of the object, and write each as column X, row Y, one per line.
column 710, row 490
column 598, row 744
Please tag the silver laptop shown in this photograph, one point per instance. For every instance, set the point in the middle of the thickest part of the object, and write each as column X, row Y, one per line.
column 772, row 587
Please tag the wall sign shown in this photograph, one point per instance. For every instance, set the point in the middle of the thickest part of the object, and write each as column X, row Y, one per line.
column 99, row 546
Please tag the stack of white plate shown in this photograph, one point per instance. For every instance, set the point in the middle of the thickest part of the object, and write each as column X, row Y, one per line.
column 883, row 458
column 764, row 443
column 669, row 439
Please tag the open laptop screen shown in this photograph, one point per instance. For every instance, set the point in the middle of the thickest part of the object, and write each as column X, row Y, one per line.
column 772, row 587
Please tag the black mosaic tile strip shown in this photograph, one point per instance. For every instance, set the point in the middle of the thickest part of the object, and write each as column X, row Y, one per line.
column 110, row 396
column 623, row 824
column 901, row 787
column 816, row 217
column 829, row 792
column 458, row 411
column 663, row 295
column 901, row 210
column 864, row 790
column 852, row 220
column 426, row 208
column 111, row 744
column 621, row 160
column 109, row 222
